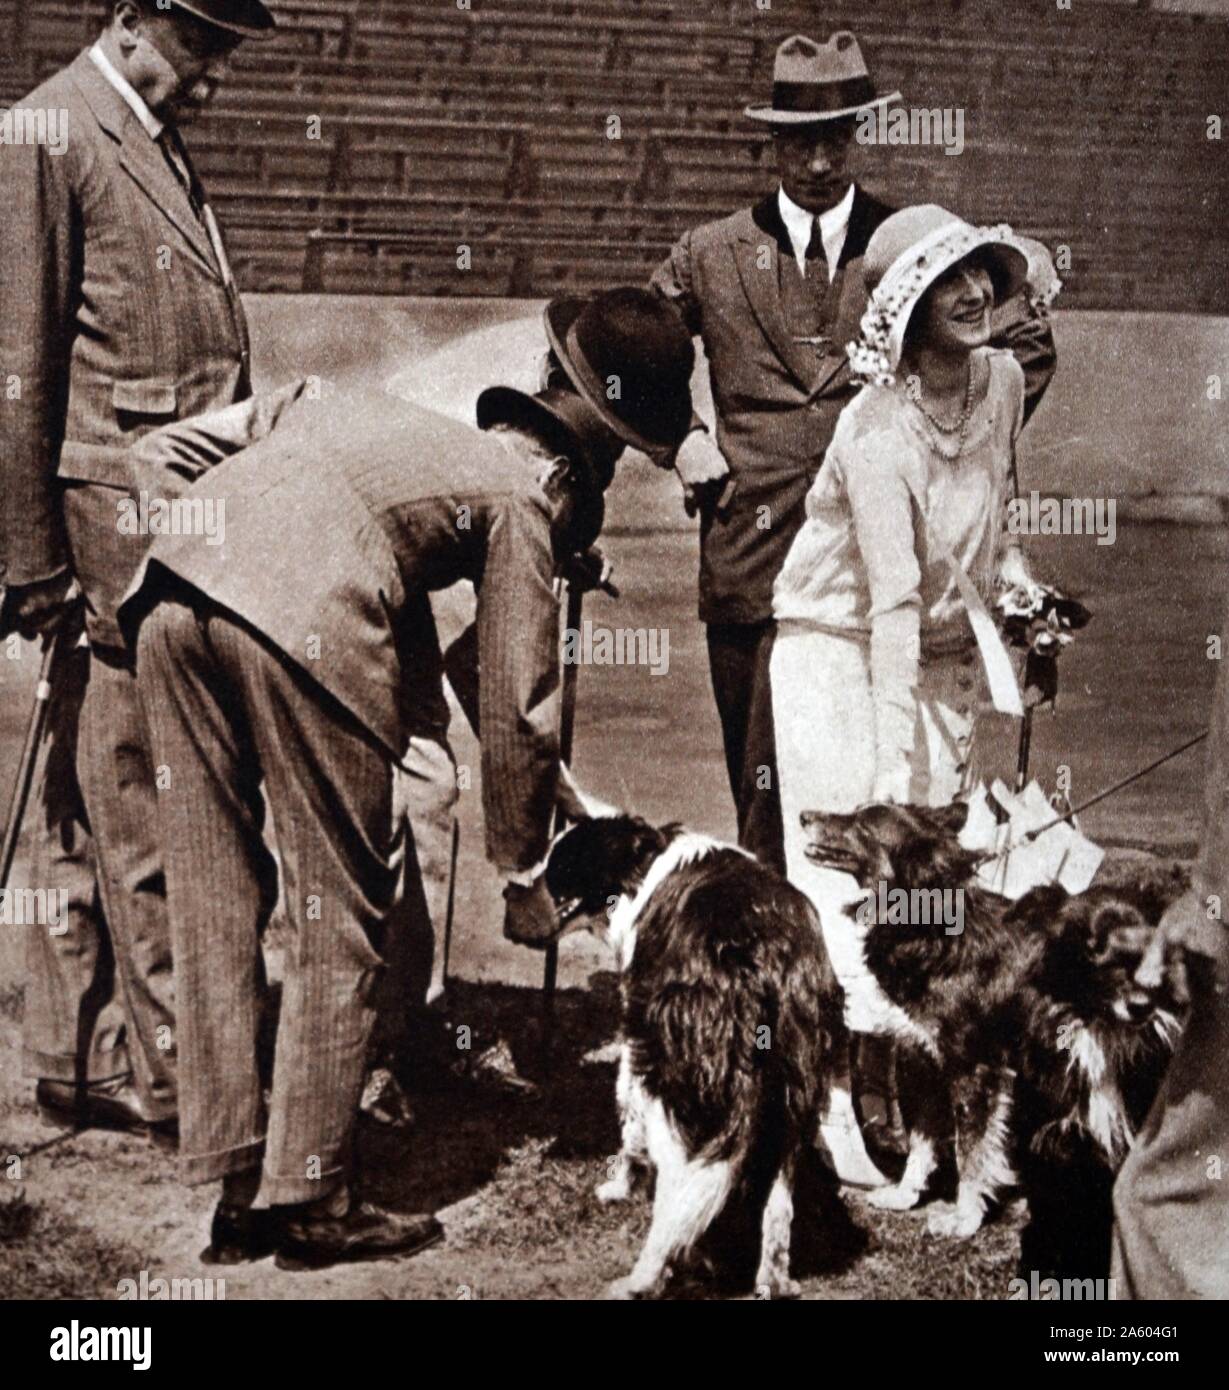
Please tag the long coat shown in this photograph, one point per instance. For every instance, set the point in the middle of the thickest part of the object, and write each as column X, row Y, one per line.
column 327, row 532
column 114, row 318
column 778, row 401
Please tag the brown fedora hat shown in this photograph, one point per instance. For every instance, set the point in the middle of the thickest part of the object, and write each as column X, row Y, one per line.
column 813, row 82
column 628, row 354
column 248, row 18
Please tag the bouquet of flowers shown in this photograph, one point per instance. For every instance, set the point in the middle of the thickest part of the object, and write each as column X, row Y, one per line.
column 1038, row 617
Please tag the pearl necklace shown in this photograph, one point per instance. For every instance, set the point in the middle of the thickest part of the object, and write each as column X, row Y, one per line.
column 960, row 428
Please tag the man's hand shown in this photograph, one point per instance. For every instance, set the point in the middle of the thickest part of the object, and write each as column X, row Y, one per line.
column 590, row 570
column 1166, row 953
column 530, row 918
column 1190, row 947
column 702, row 470
column 34, row 609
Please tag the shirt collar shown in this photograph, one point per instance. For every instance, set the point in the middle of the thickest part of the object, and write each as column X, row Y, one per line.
column 153, row 126
column 833, row 224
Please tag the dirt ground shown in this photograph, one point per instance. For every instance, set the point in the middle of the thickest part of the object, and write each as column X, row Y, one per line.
column 513, row 1179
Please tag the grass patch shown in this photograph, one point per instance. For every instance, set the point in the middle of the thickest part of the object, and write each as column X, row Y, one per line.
column 44, row 1255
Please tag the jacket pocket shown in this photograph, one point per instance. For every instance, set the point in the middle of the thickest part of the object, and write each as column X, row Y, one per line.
column 151, row 396
column 104, row 464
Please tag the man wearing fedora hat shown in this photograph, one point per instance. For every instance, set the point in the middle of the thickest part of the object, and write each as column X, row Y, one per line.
column 118, row 313
column 302, row 657
column 776, row 292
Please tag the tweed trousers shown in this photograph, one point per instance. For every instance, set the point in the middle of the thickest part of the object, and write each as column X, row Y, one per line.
column 738, row 658
column 229, row 713
column 117, row 782
column 98, row 816
column 74, row 1027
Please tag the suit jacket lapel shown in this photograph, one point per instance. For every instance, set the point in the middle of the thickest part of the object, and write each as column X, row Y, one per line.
column 143, row 160
column 761, row 284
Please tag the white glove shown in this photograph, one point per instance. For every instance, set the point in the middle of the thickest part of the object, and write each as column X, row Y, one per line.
column 701, row 467
column 1014, row 572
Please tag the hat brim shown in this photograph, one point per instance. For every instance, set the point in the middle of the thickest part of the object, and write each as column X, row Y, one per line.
column 769, row 115
column 559, row 317
column 256, row 22
column 1011, row 264
column 505, row 405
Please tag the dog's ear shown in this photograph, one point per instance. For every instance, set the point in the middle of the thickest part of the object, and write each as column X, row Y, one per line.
column 1044, row 905
column 576, row 804
column 951, row 818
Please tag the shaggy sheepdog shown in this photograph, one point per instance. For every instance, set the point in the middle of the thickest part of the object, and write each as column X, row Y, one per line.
column 1027, row 1033
column 732, row 1030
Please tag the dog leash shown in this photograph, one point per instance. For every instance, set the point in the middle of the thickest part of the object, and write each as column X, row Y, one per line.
column 1032, row 835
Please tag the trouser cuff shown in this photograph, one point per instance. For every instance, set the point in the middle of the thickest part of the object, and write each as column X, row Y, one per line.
column 101, row 1066
column 195, row 1170
column 286, row 1192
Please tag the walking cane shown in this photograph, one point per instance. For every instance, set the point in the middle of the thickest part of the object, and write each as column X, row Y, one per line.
column 567, row 730
column 29, row 756
column 450, row 912
column 1026, row 739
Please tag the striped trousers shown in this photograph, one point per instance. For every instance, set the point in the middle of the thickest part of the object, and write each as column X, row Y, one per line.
column 229, row 714
column 101, row 996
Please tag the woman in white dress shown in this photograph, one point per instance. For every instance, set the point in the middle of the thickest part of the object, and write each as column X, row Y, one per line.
column 875, row 670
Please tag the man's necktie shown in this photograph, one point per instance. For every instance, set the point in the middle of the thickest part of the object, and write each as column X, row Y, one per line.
column 816, row 257
column 181, row 166
column 177, row 157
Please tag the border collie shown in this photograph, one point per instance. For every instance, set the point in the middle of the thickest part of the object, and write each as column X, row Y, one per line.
column 732, row 1019
column 1026, row 1029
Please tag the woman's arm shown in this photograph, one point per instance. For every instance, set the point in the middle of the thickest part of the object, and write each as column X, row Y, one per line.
column 883, row 516
column 1012, row 568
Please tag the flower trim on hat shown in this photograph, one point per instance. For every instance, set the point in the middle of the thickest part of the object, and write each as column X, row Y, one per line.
column 871, row 356
column 1044, row 285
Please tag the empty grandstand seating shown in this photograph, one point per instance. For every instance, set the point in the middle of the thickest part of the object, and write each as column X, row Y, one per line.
column 366, row 142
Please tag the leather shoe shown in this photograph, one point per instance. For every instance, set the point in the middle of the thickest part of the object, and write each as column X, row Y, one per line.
column 239, row 1235
column 108, row 1106
column 365, row 1232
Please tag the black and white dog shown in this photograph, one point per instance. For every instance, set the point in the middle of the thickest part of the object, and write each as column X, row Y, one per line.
column 1028, row 1023
column 732, row 1030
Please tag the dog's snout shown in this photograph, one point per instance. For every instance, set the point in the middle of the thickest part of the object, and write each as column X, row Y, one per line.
column 1139, row 1006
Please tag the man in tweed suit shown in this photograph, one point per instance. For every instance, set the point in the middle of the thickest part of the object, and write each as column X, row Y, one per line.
column 301, row 653
column 118, row 312
column 776, row 292
column 1171, row 1200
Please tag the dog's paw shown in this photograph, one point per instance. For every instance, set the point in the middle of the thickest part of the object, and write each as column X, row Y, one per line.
column 614, row 1190
column 782, row 1286
column 954, row 1222
column 898, row 1197
column 624, row 1290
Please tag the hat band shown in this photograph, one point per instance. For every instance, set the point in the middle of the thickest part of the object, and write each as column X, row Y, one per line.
column 822, row 97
